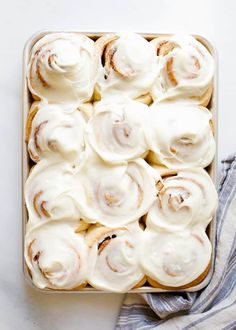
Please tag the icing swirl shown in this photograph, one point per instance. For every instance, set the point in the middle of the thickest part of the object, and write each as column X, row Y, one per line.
column 116, row 132
column 186, row 70
column 115, row 195
column 175, row 259
column 63, row 67
column 181, row 136
column 128, row 65
column 51, row 192
column 55, row 131
column 114, row 263
column 56, row 256
column 186, row 198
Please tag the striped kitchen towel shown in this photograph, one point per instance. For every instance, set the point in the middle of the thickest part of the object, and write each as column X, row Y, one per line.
column 214, row 307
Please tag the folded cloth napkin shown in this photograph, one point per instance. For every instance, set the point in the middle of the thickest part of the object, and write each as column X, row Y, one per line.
column 213, row 307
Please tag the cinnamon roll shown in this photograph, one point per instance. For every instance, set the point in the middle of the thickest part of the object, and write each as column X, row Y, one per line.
column 55, row 131
column 115, row 195
column 175, row 260
column 117, row 130
column 181, row 136
column 186, row 198
column 186, row 70
column 63, row 67
column 128, row 66
column 51, row 192
column 57, row 256
column 114, row 262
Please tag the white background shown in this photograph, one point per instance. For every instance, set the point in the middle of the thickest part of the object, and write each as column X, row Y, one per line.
column 20, row 306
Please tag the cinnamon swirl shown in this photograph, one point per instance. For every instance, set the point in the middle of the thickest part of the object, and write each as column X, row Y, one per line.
column 181, row 136
column 114, row 262
column 186, row 70
column 57, row 256
column 55, row 131
column 175, row 260
column 128, row 67
column 63, row 67
column 186, row 198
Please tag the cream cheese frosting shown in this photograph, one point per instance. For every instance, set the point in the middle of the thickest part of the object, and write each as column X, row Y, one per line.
column 57, row 256
column 186, row 70
column 51, row 192
column 56, row 131
column 186, row 199
column 128, row 65
column 175, row 259
column 115, row 195
column 114, row 261
column 91, row 187
column 63, row 68
column 117, row 131
column 181, row 136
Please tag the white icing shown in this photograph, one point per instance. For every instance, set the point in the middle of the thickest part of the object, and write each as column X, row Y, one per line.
column 56, row 255
column 112, row 185
column 187, row 199
column 52, row 187
column 175, row 259
column 135, row 59
column 117, row 130
column 114, row 263
column 192, row 67
column 57, row 130
column 115, row 195
column 181, row 135
column 63, row 67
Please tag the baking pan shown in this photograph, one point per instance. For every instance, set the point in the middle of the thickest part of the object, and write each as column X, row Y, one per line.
column 27, row 163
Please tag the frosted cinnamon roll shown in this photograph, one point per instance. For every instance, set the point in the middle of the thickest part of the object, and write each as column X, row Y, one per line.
column 181, row 136
column 51, row 192
column 56, row 256
column 114, row 263
column 185, row 71
column 115, row 195
column 128, row 66
column 175, row 260
column 186, row 198
column 63, row 67
column 55, row 131
column 117, row 130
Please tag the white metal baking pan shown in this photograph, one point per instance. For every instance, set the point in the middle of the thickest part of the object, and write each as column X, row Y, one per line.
column 27, row 163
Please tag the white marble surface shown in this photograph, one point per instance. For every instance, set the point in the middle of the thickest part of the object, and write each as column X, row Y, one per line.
column 20, row 306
